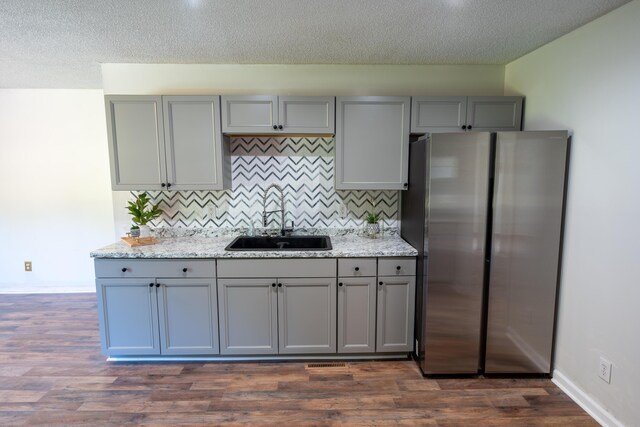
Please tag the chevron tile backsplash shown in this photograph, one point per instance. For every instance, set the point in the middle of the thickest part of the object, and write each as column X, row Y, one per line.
column 303, row 167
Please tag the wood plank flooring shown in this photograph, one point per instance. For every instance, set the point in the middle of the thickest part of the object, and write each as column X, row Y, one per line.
column 52, row 373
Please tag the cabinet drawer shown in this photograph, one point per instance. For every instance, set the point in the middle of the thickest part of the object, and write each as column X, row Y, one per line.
column 127, row 267
column 277, row 268
column 397, row 266
column 357, row 267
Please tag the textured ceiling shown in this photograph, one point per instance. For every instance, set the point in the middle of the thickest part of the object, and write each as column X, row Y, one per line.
column 61, row 43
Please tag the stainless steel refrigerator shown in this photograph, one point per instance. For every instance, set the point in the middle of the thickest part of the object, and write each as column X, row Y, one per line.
column 485, row 211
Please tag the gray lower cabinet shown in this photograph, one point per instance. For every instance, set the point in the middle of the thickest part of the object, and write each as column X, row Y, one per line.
column 357, row 314
column 153, row 307
column 128, row 316
column 271, row 316
column 307, row 315
column 188, row 316
column 462, row 113
column 396, row 300
column 248, row 316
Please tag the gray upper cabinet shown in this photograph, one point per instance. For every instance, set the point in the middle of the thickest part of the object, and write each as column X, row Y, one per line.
column 249, row 114
column 170, row 142
column 188, row 313
column 267, row 115
column 494, row 113
column 372, row 142
column 461, row 113
column 195, row 150
column 438, row 113
column 307, row 315
column 136, row 142
column 307, row 114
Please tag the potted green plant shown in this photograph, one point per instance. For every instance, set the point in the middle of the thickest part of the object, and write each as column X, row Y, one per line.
column 142, row 212
column 372, row 226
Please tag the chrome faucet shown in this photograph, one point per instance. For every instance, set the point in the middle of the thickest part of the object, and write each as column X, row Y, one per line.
column 265, row 213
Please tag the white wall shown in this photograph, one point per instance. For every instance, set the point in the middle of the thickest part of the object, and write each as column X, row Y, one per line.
column 589, row 82
column 55, row 197
column 225, row 79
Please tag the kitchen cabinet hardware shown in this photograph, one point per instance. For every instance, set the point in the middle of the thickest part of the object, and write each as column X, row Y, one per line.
column 464, row 127
column 273, row 285
column 279, row 285
column 151, row 285
column 124, row 269
column 380, row 283
column 163, row 185
column 340, row 284
column 357, row 269
column 157, row 285
column 398, row 268
column 185, row 269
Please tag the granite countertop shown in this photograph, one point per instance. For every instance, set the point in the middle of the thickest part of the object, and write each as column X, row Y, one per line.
column 213, row 247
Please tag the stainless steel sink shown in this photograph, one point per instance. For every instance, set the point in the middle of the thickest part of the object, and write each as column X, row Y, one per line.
column 287, row 243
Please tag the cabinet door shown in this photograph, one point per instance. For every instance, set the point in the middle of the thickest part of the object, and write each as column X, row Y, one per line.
column 194, row 143
column 188, row 313
column 248, row 316
column 494, row 113
column 307, row 115
column 136, row 142
column 249, row 114
column 128, row 315
column 356, row 315
column 307, row 315
column 438, row 113
column 396, row 299
column 372, row 142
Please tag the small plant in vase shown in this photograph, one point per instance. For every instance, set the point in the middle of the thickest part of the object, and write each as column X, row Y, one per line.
column 134, row 231
column 142, row 212
column 372, row 227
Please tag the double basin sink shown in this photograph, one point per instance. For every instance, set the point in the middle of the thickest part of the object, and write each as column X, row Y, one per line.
column 278, row 243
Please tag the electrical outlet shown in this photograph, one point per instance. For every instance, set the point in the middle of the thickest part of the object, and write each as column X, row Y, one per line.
column 604, row 370
column 27, row 266
column 343, row 210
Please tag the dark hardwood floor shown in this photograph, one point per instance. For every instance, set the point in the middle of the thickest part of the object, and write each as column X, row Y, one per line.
column 52, row 373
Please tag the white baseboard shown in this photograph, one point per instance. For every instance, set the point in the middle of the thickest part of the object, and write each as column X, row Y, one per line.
column 47, row 288
column 585, row 401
